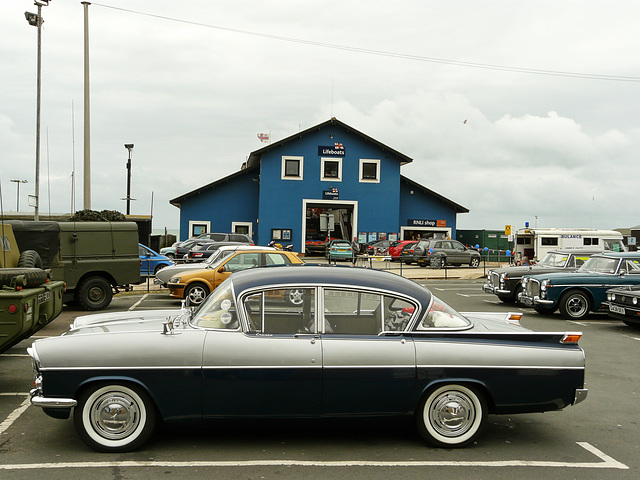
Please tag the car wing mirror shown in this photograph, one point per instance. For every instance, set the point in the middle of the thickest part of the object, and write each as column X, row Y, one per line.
column 222, row 269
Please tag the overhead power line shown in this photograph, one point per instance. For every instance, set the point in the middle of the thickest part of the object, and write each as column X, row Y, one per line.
column 382, row 53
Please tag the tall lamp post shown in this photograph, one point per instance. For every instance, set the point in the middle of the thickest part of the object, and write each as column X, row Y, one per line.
column 37, row 21
column 129, row 146
column 18, row 182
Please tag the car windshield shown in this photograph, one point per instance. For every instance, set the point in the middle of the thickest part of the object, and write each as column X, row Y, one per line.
column 600, row 265
column 218, row 310
column 441, row 315
column 554, row 259
column 217, row 256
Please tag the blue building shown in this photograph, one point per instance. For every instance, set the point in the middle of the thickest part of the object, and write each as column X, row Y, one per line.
column 328, row 180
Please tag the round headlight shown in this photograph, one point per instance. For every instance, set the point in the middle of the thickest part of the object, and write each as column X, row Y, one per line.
column 611, row 297
column 634, row 300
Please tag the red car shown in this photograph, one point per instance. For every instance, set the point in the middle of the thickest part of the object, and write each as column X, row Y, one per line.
column 395, row 250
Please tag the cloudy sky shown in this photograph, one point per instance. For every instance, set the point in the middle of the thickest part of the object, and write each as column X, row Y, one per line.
column 548, row 90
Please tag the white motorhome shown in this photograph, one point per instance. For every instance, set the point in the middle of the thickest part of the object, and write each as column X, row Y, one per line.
column 535, row 243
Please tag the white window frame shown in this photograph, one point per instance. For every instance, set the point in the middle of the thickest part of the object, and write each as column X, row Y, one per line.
column 242, row 224
column 284, row 162
column 199, row 223
column 369, row 180
column 331, row 179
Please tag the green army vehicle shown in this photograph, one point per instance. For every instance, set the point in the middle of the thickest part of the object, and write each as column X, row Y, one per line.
column 29, row 299
column 94, row 259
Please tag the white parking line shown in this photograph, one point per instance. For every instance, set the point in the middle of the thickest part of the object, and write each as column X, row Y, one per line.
column 632, row 338
column 13, row 416
column 607, row 462
column 132, row 307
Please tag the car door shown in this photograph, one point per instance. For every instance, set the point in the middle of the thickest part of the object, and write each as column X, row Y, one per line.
column 272, row 367
column 368, row 365
column 146, row 266
column 460, row 253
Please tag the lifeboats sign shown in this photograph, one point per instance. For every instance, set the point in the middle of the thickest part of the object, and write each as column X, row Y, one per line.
column 330, row 194
column 337, row 150
column 427, row 223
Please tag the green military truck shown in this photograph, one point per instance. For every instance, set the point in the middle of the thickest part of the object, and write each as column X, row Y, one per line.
column 94, row 259
column 29, row 299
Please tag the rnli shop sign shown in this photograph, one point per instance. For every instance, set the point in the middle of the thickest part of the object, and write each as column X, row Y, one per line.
column 427, row 223
column 337, row 150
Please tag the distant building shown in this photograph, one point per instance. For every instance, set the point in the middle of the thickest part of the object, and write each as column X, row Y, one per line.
column 328, row 176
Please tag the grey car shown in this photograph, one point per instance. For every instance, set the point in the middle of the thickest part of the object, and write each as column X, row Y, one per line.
column 360, row 343
column 438, row 253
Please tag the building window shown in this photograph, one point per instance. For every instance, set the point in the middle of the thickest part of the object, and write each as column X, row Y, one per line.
column 292, row 168
column 331, row 169
column 369, row 171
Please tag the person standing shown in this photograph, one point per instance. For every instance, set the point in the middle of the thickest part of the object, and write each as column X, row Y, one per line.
column 355, row 249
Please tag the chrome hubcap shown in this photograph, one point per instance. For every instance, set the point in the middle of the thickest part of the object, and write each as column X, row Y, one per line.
column 452, row 414
column 115, row 415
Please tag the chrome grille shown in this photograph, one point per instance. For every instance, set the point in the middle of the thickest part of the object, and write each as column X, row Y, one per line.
column 493, row 279
column 533, row 288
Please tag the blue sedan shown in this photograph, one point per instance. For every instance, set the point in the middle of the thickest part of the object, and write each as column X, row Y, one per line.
column 151, row 262
column 339, row 249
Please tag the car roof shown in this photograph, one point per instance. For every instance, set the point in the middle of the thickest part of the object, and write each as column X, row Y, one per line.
column 244, row 246
column 329, row 275
column 618, row 254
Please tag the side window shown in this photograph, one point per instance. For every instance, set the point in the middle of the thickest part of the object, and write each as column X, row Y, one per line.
column 397, row 314
column 549, row 241
column 633, row 267
column 276, row 259
column 142, row 251
column 242, row 261
column 580, row 261
column 352, row 312
column 292, row 168
column 237, row 238
column 282, row 311
column 218, row 237
column 571, row 263
column 457, row 246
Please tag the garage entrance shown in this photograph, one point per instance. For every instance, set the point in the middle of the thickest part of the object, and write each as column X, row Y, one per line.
column 317, row 215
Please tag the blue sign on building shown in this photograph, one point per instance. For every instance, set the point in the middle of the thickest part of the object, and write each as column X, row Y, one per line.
column 337, row 150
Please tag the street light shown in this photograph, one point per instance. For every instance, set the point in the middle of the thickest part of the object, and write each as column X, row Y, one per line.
column 36, row 20
column 18, row 182
column 128, row 146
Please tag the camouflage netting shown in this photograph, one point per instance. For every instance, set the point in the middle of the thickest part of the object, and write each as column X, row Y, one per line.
column 94, row 216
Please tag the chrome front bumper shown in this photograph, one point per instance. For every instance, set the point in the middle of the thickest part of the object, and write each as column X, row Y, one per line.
column 530, row 301
column 37, row 400
column 495, row 290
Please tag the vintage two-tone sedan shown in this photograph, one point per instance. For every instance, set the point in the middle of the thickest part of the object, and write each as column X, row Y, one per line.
column 360, row 342
column 578, row 293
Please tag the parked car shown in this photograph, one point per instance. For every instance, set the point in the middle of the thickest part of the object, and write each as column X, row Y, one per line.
column 380, row 345
column 164, row 275
column 623, row 304
column 438, row 253
column 194, row 286
column 171, row 251
column 183, row 249
column 202, row 251
column 226, row 237
column 380, row 247
column 317, row 244
column 506, row 282
column 583, row 291
column 396, row 250
column 339, row 249
column 151, row 262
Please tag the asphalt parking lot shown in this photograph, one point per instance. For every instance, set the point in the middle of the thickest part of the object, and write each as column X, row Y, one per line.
column 597, row 439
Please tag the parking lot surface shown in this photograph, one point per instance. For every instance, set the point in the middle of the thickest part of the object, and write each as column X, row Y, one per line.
column 597, row 439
